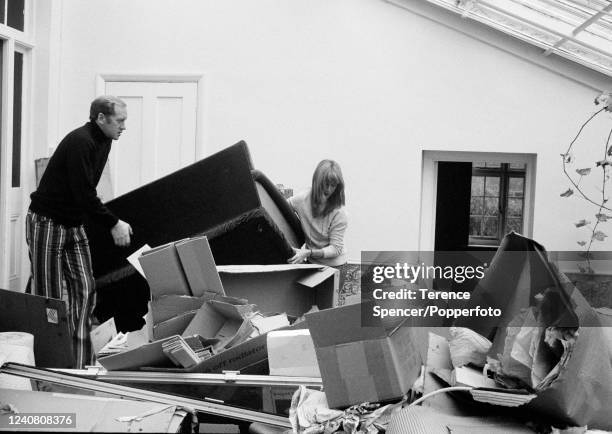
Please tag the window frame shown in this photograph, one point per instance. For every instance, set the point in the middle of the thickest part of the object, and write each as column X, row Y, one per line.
column 429, row 186
column 504, row 172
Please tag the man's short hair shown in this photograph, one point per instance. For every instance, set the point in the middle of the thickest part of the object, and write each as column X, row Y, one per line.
column 104, row 104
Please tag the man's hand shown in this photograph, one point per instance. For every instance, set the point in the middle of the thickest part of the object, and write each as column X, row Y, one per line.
column 121, row 233
column 300, row 256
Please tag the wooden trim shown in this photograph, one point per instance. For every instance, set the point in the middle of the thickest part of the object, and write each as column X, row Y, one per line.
column 198, row 78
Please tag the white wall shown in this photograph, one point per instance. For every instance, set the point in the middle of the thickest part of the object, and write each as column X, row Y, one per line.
column 360, row 81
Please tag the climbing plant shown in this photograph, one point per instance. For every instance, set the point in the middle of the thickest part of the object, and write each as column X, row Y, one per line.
column 594, row 224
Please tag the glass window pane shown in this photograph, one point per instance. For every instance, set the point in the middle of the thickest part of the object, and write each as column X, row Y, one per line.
column 493, row 165
column 515, row 208
column 517, row 166
column 514, row 224
column 17, row 93
column 15, row 14
column 477, row 205
column 2, row 7
column 477, row 185
column 516, row 187
column 491, row 206
column 490, row 227
column 492, row 186
column 479, row 165
column 475, row 226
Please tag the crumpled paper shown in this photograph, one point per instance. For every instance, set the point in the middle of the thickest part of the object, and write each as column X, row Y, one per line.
column 310, row 414
column 467, row 346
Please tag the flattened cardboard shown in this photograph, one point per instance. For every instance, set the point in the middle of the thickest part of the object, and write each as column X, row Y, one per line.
column 292, row 353
column 199, row 266
column 279, row 288
column 362, row 364
column 164, row 272
column 102, row 335
column 145, row 355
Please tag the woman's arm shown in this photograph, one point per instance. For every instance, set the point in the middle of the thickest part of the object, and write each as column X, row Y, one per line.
column 336, row 238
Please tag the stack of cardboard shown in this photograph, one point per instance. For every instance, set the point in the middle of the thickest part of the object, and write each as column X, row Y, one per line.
column 191, row 300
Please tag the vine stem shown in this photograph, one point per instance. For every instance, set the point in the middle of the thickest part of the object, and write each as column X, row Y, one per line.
column 603, row 200
column 576, row 186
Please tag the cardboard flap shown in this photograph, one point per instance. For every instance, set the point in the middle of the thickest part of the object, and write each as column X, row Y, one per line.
column 146, row 355
column 164, row 272
column 173, row 326
column 340, row 325
column 169, row 306
column 206, row 322
column 234, row 311
column 199, row 266
column 317, row 277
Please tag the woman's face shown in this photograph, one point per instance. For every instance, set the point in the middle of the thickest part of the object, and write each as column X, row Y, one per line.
column 329, row 187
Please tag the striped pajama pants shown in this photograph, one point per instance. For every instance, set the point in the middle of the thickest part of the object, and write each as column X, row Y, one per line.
column 61, row 254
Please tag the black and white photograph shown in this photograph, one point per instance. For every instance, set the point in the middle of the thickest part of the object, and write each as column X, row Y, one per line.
column 306, row 216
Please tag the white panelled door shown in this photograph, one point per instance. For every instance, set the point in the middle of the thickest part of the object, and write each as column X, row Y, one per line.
column 160, row 137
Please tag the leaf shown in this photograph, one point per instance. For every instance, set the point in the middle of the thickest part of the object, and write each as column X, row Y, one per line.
column 609, row 153
column 581, row 243
column 582, row 223
column 601, row 217
column 583, row 172
column 605, row 99
column 567, row 158
column 599, row 236
column 603, row 163
column 567, row 193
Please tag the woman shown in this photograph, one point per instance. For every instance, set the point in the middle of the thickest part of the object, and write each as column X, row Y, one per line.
column 323, row 218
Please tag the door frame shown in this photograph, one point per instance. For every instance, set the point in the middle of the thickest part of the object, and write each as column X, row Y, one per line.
column 200, row 139
column 429, row 187
column 9, row 47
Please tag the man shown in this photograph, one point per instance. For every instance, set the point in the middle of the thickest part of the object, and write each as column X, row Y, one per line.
column 57, row 243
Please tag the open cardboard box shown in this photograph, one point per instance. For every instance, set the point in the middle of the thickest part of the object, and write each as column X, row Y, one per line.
column 362, row 364
column 293, row 289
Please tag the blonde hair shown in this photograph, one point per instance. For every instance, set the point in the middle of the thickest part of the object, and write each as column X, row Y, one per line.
column 327, row 171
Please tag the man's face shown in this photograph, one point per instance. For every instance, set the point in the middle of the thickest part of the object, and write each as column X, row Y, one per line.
column 113, row 125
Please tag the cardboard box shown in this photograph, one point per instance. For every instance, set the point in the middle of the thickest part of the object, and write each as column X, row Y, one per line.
column 293, row 289
column 164, row 272
column 292, row 353
column 253, row 352
column 199, row 266
column 220, row 320
column 184, row 267
column 362, row 364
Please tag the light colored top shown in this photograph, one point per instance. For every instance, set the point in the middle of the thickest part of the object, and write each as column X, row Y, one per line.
column 325, row 233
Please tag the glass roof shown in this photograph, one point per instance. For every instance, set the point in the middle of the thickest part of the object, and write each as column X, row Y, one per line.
column 580, row 30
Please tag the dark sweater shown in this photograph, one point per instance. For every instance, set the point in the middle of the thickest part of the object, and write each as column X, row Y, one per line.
column 67, row 190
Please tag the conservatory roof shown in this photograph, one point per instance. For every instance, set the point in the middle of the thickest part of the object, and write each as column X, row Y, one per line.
column 579, row 30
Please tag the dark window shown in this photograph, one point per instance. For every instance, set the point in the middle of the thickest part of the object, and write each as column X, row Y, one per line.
column 17, row 97
column 2, row 8
column 497, row 202
column 15, row 14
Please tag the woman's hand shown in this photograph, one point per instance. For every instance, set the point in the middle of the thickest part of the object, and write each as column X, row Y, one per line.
column 300, row 256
